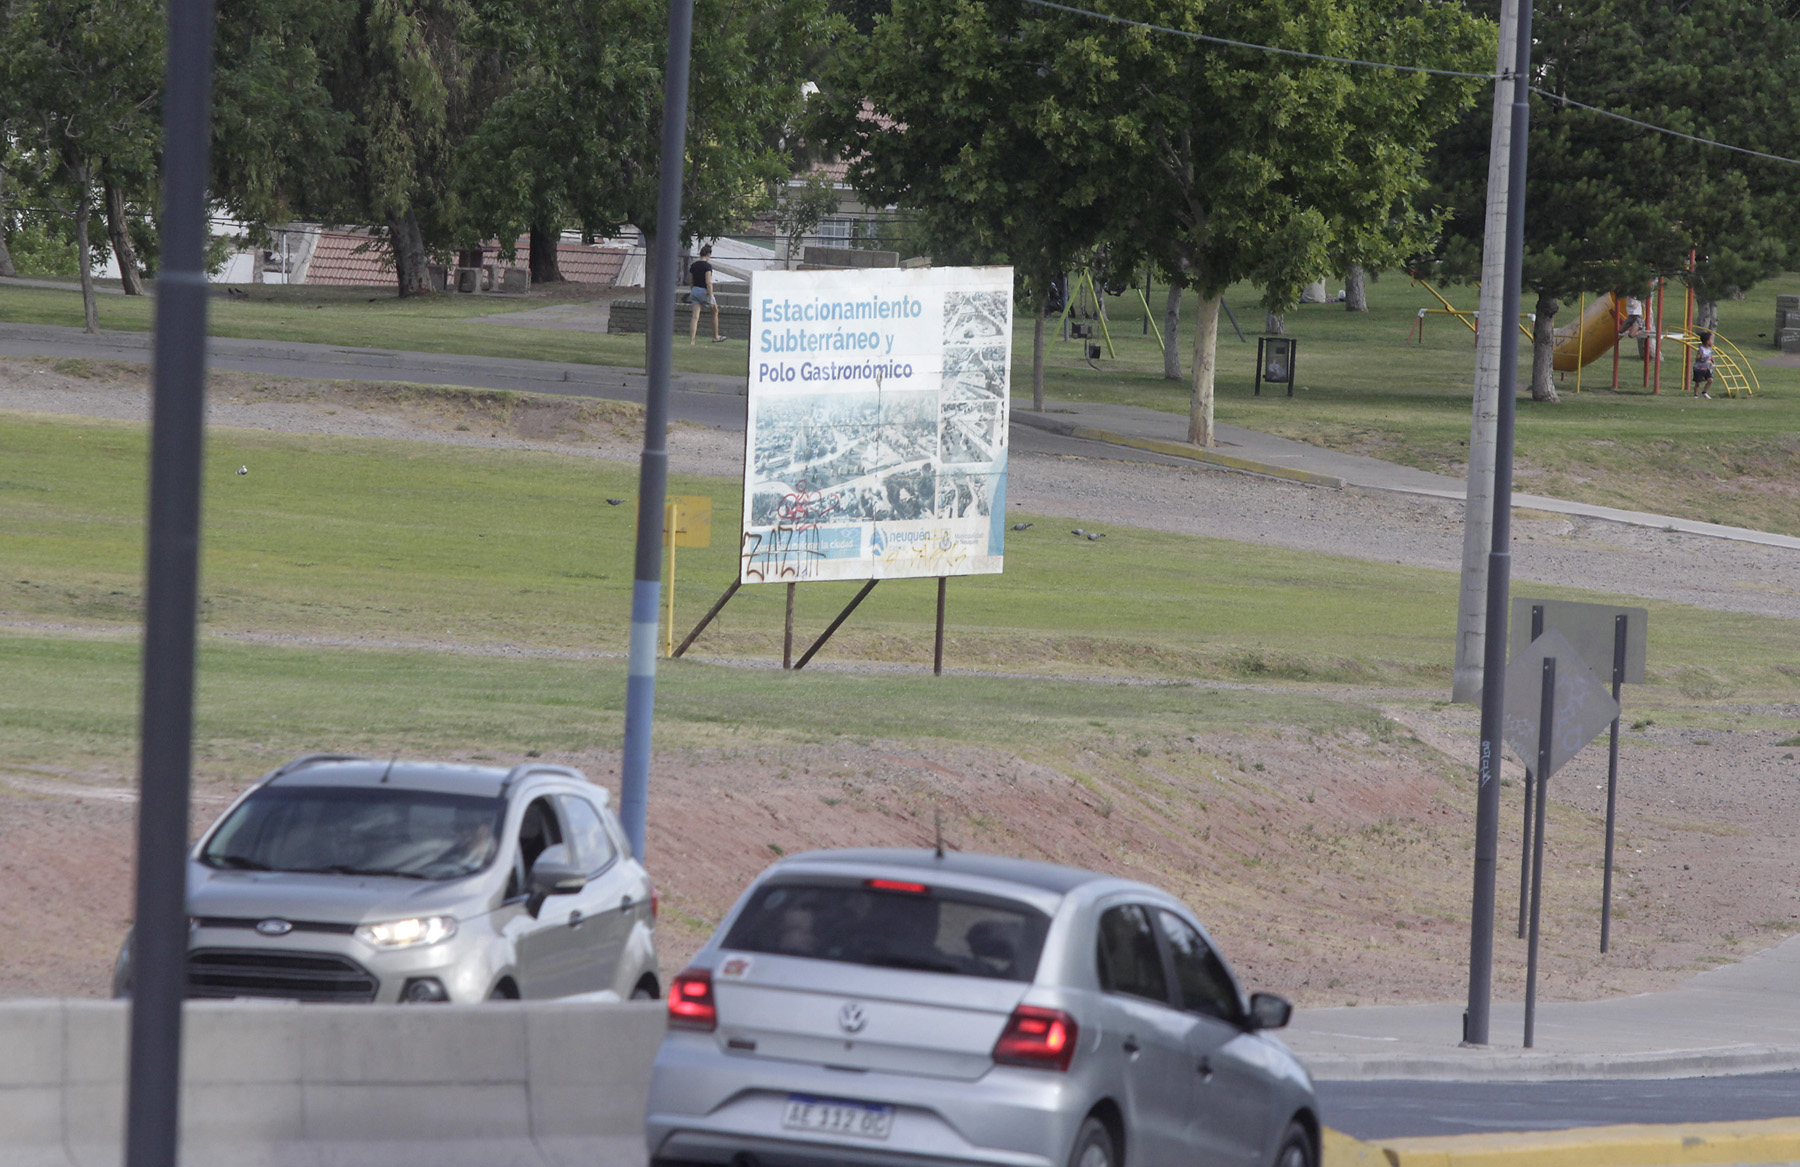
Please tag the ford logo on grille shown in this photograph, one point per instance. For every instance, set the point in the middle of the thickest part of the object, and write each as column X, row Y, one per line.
column 851, row 1017
column 274, row 927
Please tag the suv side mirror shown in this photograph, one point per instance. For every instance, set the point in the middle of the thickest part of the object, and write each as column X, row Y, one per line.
column 552, row 875
column 1269, row 1011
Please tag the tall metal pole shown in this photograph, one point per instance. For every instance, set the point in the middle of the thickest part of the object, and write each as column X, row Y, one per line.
column 1499, row 573
column 653, row 469
column 171, row 598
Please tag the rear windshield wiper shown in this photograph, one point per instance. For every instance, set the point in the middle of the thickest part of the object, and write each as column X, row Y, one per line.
column 921, row 963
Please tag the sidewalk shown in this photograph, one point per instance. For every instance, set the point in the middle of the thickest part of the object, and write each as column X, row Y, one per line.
column 1738, row 1019
column 1257, row 453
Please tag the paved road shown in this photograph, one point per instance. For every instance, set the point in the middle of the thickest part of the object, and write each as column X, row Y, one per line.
column 716, row 402
column 1391, row 1109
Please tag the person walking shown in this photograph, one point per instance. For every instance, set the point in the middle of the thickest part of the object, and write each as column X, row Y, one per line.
column 1703, row 366
column 700, row 293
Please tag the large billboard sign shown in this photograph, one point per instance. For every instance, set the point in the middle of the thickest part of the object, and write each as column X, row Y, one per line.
column 877, row 430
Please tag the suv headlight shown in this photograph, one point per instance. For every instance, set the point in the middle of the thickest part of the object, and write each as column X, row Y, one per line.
column 407, row 933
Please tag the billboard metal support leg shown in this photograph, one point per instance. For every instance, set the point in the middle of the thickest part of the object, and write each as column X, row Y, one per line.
column 833, row 626
column 787, row 631
column 937, row 655
column 1546, row 735
column 708, row 618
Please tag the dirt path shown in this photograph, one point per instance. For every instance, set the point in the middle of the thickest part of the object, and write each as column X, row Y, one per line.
column 1332, row 868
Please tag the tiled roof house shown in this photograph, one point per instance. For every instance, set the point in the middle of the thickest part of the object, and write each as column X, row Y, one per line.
column 349, row 258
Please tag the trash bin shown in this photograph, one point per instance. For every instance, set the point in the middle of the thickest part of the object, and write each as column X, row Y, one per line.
column 1274, row 362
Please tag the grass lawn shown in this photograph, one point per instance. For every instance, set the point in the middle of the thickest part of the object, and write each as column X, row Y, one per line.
column 330, row 543
column 1363, row 387
column 73, row 700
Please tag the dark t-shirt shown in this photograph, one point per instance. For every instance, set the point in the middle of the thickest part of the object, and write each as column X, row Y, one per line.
column 697, row 273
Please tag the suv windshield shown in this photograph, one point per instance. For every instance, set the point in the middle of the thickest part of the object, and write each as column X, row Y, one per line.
column 934, row 930
column 350, row 830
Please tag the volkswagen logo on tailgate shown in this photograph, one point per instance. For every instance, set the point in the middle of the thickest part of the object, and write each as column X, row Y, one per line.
column 851, row 1017
column 274, row 927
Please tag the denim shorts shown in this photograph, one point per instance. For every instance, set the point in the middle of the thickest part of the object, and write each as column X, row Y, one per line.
column 699, row 295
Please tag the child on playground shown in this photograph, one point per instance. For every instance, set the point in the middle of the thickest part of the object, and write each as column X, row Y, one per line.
column 1703, row 365
column 1633, row 324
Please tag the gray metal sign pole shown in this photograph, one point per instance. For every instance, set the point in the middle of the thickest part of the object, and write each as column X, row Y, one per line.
column 1537, row 630
column 653, row 468
column 1546, row 735
column 1620, row 624
column 171, row 595
column 1499, row 575
column 1525, row 852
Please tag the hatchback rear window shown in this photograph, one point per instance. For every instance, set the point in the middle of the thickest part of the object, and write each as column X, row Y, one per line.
column 934, row 930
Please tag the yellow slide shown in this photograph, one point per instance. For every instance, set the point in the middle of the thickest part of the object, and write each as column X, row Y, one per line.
column 1591, row 338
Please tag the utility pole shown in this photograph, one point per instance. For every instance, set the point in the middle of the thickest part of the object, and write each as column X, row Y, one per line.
column 653, row 469
column 1499, row 564
column 1471, row 604
column 171, row 599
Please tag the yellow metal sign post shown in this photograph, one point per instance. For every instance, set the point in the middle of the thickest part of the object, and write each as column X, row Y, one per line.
column 687, row 522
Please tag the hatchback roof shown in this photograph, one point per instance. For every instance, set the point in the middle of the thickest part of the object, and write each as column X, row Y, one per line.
column 439, row 777
column 1050, row 877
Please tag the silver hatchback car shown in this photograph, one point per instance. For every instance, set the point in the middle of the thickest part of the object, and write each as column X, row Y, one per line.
column 338, row 878
column 907, row 1008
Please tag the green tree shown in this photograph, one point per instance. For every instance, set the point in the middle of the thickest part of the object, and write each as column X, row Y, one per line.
column 1610, row 205
column 581, row 81
column 7, row 270
column 79, row 85
column 398, row 85
column 745, row 98
column 1246, row 165
column 1031, row 135
column 576, row 137
column 278, row 142
column 980, row 119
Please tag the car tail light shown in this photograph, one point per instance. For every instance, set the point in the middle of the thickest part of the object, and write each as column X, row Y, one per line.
column 691, row 1001
column 917, row 889
column 1043, row 1039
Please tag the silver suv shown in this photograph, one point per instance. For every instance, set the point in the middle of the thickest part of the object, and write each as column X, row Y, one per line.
column 912, row 1009
column 338, row 878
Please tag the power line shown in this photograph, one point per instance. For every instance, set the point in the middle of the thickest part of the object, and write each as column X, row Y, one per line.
column 1547, row 95
column 1561, row 100
column 1219, row 40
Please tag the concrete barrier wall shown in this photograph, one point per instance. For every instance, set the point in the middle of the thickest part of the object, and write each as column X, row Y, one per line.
column 545, row 1084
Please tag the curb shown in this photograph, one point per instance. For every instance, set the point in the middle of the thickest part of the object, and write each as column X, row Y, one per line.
column 1701, row 1144
column 1478, row 1066
column 1186, row 450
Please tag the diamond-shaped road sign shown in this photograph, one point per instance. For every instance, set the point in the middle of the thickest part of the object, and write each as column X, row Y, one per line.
column 1583, row 705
